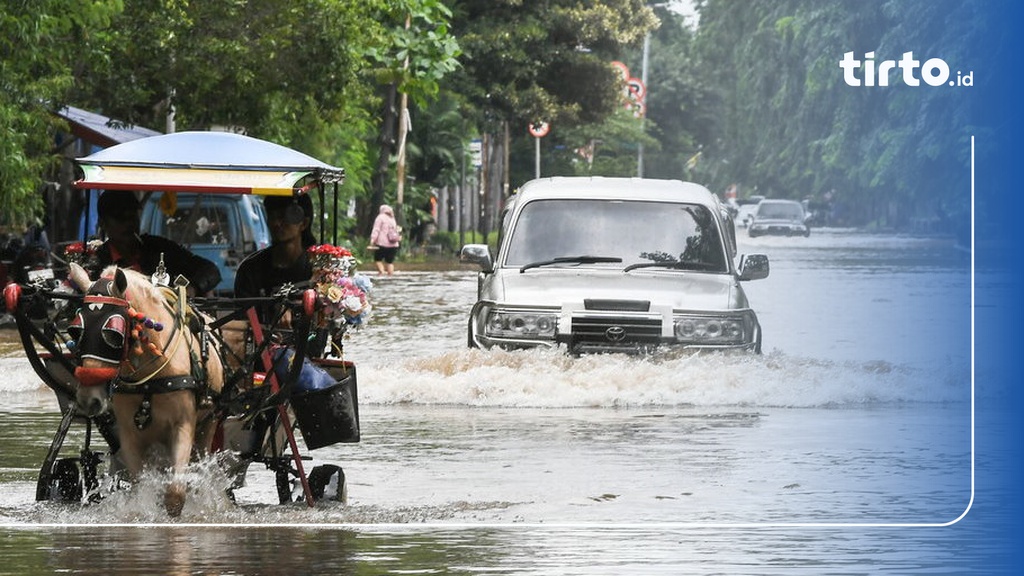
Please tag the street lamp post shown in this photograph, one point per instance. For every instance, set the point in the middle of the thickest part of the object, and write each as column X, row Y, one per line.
column 643, row 78
column 643, row 117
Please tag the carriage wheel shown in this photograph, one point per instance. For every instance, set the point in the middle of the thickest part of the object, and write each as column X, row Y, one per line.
column 282, row 477
column 66, row 481
column 327, row 482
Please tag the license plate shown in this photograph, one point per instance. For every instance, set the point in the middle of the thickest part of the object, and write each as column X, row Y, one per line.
column 43, row 274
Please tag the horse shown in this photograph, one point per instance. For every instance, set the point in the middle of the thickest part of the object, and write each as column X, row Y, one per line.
column 138, row 354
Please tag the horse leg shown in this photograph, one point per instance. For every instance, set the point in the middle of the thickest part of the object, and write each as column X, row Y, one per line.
column 131, row 454
column 180, row 446
column 206, row 427
column 131, row 451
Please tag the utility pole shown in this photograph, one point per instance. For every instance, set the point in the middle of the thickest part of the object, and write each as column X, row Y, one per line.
column 643, row 78
column 169, row 125
column 476, row 147
column 403, row 132
column 538, row 130
column 643, row 106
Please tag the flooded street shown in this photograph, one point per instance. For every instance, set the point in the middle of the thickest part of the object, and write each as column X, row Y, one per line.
column 840, row 449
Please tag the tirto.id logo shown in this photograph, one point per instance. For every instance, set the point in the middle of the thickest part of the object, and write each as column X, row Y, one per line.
column 934, row 71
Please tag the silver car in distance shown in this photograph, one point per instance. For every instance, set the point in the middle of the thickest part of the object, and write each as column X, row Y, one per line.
column 779, row 218
column 614, row 265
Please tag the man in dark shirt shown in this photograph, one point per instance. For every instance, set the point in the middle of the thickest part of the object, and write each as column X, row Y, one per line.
column 119, row 216
column 285, row 260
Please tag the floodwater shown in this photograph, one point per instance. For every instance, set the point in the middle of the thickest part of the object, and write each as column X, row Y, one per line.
column 845, row 448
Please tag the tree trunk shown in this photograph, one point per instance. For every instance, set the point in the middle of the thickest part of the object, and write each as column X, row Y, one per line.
column 386, row 142
column 495, row 178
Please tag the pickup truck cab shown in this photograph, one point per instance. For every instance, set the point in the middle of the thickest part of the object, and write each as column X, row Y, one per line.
column 223, row 228
column 614, row 265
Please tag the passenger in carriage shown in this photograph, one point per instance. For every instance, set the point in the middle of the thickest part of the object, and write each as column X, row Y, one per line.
column 119, row 214
column 262, row 273
column 285, row 261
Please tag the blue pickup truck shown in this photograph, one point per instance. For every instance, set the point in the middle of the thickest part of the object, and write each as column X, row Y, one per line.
column 223, row 228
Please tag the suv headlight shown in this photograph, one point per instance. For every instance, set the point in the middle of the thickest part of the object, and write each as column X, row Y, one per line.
column 520, row 324
column 714, row 329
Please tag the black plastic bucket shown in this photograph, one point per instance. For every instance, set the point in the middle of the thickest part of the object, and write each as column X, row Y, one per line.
column 329, row 415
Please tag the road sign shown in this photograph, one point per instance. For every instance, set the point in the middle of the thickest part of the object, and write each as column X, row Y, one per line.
column 637, row 89
column 476, row 152
column 539, row 129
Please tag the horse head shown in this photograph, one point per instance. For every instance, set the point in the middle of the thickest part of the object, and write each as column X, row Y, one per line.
column 112, row 334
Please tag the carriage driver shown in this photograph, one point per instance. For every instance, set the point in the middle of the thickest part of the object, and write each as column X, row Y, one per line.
column 119, row 216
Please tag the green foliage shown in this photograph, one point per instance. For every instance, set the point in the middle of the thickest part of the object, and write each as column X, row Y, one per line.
column 306, row 74
column 417, row 54
column 37, row 39
column 605, row 149
column 436, row 141
column 261, row 65
column 531, row 61
column 448, row 241
column 681, row 105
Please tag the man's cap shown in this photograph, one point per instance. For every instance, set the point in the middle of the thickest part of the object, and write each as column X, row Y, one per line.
column 303, row 201
column 116, row 202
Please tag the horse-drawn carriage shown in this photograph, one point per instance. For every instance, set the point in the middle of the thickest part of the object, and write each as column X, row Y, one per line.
column 195, row 375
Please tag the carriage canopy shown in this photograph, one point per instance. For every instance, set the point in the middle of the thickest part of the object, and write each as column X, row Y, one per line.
column 215, row 162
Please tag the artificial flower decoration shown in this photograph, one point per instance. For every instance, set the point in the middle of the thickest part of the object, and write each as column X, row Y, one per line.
column 82, row 253
column 342, row 293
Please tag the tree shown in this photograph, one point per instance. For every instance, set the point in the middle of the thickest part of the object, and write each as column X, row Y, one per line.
column 681, row 108
column 38, row 42
column 546, row 60
column 421, row 51
column 303, row 74
column 540, row 61
column 262, row 66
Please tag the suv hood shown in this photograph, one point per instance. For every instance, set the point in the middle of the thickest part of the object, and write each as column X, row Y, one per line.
column 678, row 290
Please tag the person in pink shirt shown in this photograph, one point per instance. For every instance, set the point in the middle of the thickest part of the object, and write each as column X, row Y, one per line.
column 385, row 239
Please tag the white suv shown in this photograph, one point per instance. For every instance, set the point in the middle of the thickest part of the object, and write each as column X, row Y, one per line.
column 614, row 265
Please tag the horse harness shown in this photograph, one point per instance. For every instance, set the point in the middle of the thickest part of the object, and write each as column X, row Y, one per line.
column 122, row 329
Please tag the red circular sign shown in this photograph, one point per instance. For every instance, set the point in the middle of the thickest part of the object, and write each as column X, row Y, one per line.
column 636, row 88
column 539, row 129
column 622, row 68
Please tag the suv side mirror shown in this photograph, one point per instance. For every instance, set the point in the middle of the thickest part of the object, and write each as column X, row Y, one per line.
column 477, row 254
column 754, row 267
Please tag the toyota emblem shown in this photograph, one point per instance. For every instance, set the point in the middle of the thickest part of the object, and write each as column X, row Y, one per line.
column 615, row 333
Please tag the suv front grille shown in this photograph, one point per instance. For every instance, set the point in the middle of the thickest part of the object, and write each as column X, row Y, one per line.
column 632, row 331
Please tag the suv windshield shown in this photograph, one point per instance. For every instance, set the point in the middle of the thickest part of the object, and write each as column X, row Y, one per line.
column 634, row 231
column 780, row 210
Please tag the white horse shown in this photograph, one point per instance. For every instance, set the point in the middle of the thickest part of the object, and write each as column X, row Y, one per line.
column 132, row 340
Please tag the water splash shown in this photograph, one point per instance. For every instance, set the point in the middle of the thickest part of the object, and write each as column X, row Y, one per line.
column 18, row 375
column 551, row 379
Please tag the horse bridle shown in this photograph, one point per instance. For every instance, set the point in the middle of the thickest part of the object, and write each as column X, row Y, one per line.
column 118, row 325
